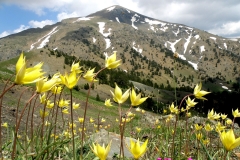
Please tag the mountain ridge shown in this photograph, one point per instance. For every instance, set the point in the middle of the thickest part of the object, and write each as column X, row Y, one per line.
column 139, row 40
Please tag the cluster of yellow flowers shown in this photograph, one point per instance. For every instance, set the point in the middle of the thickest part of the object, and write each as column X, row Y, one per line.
column 35, row 74
column 55, row 84
column 227, row 137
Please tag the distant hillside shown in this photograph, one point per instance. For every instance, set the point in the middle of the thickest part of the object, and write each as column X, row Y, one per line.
column 145, row 45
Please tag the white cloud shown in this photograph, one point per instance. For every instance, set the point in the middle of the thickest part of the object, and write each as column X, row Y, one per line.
column 21, row 28
column 229, row 28
column 40, row 24
column 32, row 24
column 65, row 15
column 4, row 34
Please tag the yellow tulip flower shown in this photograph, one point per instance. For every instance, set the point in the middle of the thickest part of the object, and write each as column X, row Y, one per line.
column 76, row 105
column 76, row 68
column 27, row 75
column 67, row 134
column 108, row 103
column 111, row 62
column 213, row 115
column 57, row 89
column 190, row 103
column 130, row 114
column 206, row 141
column 183, row 110
column 81, row 120
column 49, row 104
column 72, row 125
column 5, row 125
column 118, row 96
column 198, row 93
column 44, row 85
column 91, row 120
column 173, row 109
column 103, row 120
column 42, row 98
column 101, row 151
column 208, row 127
column 136, row 149
column 90, row 76
column 197, row 127
column 164, row 111
column 138, row 129
column 65, row 111
column 70, row 80
column 63, row 103
column 228, row 140
column 47, row 123
column 223, row 116
column 235, row 113
column 219, row 127
column 199, row 136
column 136, row 99
column 43, row 114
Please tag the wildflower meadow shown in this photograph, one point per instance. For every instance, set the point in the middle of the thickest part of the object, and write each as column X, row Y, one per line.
column 63, row 133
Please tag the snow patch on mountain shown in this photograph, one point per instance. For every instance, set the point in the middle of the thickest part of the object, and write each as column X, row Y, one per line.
column 187, row 42
column 189, row 28
column 101, row 29
column 182, row 57
column 128, row 11
column 111, row 8
column 197, row 36
column 46, row 40
column 165, row 44
column 202, row 49
column 214, row 38
column 83, row 19
column 176, row 33
column 117, row 19
column 164, row 28
column 233, row 39
column 195, row 65
column 94, row 40
column 172, row 44
column 134, row 19
column 151, row 22
column 225, row 45
column 105, row 54
column 138, row 49
column 47, row 36
column 108, row 42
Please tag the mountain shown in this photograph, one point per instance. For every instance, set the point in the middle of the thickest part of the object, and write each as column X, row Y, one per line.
column 145, row 44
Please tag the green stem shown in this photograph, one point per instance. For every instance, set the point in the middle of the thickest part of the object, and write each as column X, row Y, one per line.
column 73, row 143
column 85, row 111
column 225, row 156
column 175, row 125
column 1, row 100
column 17, row 127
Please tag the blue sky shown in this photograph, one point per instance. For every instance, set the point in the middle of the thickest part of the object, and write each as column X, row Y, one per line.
column 219, row 17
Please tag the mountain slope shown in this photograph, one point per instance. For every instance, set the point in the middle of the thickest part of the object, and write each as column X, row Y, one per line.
column 146, row 46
